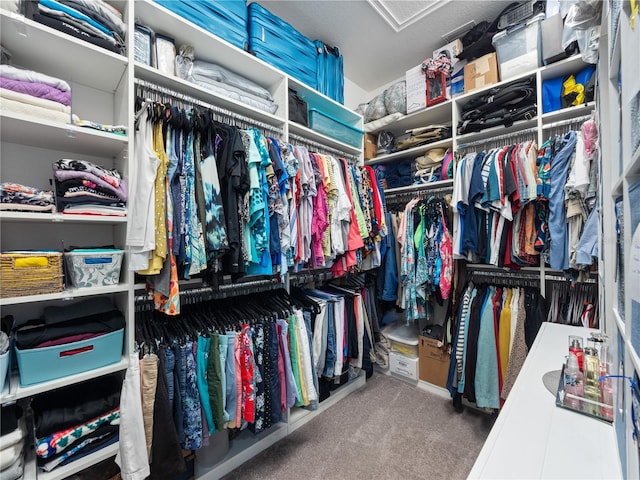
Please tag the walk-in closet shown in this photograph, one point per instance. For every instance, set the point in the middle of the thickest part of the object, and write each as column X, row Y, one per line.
column 274, row 239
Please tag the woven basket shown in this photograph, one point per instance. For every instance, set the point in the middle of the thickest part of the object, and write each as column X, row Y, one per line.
column 17, row 280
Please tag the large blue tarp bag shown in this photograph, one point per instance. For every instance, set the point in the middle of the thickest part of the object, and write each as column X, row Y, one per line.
column 330, row 71
column 279, row 44
column 227, row 20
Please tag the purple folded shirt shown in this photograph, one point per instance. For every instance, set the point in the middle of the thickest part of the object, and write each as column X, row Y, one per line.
column 36, row 89
column 120, row 191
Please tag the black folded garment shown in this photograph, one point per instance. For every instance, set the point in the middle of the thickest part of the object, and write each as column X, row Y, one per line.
column 97, row 315
column 30, row 10
column 66, row 407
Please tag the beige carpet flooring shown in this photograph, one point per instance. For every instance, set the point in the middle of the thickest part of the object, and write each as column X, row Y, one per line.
column 387, row 430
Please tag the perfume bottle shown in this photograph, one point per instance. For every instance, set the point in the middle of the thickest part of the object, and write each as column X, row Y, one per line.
column 591, row 384
column 575, row 347
column 606, row 384
column 573, row 383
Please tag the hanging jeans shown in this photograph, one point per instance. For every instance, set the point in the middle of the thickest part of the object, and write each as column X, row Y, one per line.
column 558, row 248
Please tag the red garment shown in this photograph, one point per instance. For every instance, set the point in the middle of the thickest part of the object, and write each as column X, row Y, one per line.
column 376, row 195
column 246, row 365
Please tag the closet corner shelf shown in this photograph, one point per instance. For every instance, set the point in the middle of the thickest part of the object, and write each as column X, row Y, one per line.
column 37, row 217
column 16, row 392
column 619, row 321
column 465, row 97
column 47, row 50
column 65, row 471
column 563, row 67
column 424, row 187
column 567, row 113
column 325, row 104
column 410, row 152
column 314, row 136
column 26, row 130
column 180, row 86
column 208, row 46
column 68, row 294
column 436, row 114
column 488, row 133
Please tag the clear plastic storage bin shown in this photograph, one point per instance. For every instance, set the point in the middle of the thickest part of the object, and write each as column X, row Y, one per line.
column 334, row 128
column 403, row 338
column 519, row 49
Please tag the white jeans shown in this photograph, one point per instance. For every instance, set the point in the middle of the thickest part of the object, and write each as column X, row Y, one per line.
column 132, row 457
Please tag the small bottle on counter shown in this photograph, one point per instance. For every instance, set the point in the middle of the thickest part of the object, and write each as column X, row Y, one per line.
column 573, row 383
column 591, row 384
column 606, row 385
column 575, row 347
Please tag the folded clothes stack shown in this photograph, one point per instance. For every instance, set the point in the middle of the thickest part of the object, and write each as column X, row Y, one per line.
column 399, row 174
column 34, row 94
column 85, row 188
column 76, row 421
column 93, row 21
column 223, row 81
column 12, row 443
column 20, row 198
column 64, row 325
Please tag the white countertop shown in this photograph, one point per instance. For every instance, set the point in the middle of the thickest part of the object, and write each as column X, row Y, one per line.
column 533, row 438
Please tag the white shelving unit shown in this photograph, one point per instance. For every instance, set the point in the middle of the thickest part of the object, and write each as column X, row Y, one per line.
column 619, row 85
column 103, row 90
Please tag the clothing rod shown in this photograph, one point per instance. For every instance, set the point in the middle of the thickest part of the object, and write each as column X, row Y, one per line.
column 311, row 143
column 252, row 284
column 497, row 138
column 419, row 192
column 570, row 121
column 222, row 111
column 502, row 274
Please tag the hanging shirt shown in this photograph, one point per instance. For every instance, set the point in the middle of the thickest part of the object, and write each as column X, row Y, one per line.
column 141, row 206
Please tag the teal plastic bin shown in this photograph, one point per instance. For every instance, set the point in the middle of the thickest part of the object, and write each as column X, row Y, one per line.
column 51, row 363
column 334, row 128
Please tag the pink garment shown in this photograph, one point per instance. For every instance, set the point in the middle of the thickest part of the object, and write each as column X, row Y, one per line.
column 319, row 221
column 281, row 372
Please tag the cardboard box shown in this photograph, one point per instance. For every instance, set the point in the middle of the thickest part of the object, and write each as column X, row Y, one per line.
column 481, row 73
column 434, row 362
column 416, row 89
column 370, row 146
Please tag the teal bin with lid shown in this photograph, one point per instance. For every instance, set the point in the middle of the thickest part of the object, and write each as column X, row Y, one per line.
column 334, row 128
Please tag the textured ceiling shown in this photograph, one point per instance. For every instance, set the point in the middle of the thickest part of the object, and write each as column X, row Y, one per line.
column 402, row 14
column 374, row 53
